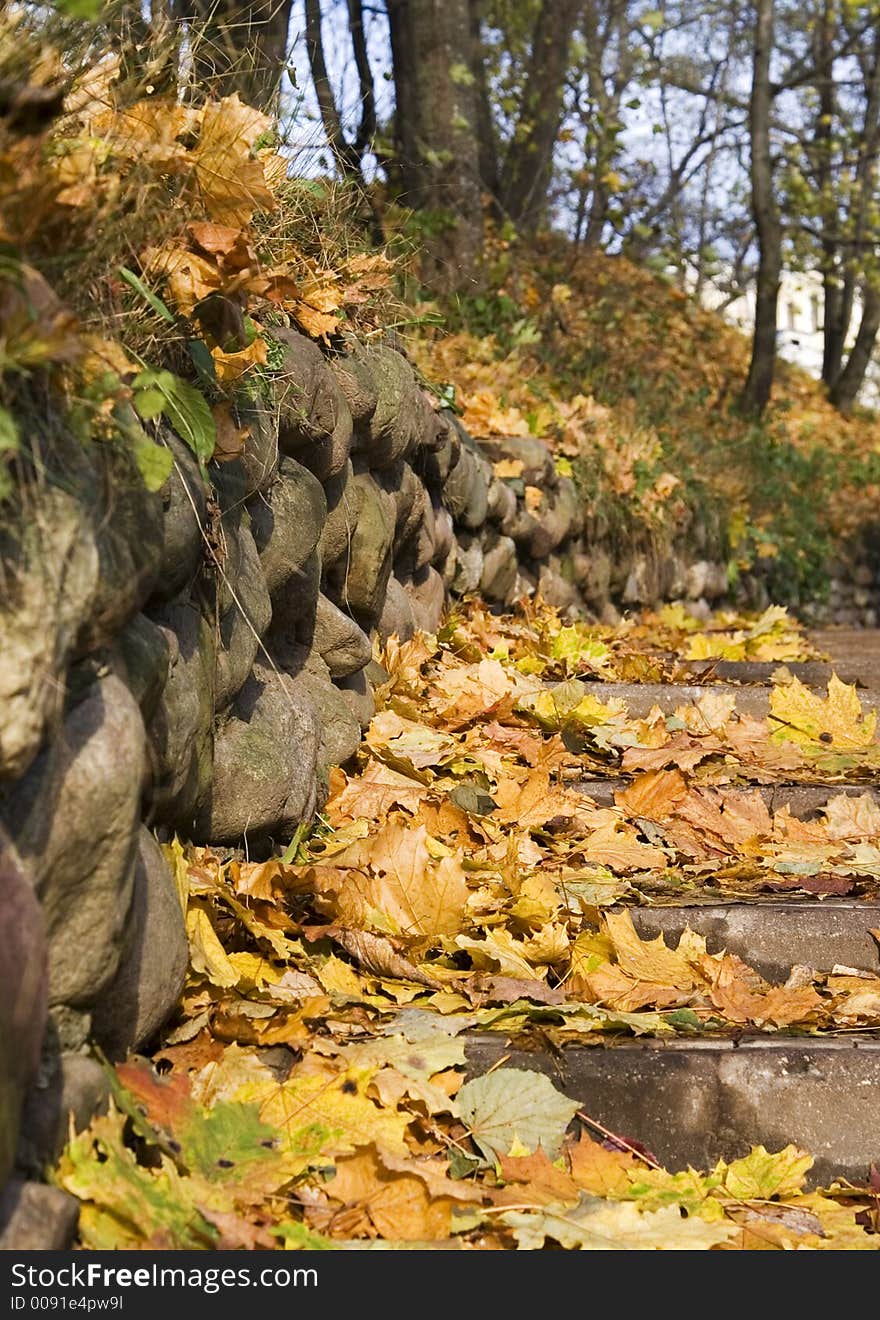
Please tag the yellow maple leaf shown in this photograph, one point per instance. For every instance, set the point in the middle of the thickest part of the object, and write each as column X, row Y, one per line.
column 232, row 180
column 804, row 717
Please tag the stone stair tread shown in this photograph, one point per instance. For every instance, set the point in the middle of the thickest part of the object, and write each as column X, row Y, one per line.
column 692, row 1100
column 698, row 1100
column 812, row 673
column 754, row 700
column 773, row 936
column 855, row 649
column 802, row 799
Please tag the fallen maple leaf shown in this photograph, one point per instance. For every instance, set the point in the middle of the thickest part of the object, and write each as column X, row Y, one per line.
column 836, row 721
column 596, row 1225
column 510, row 1111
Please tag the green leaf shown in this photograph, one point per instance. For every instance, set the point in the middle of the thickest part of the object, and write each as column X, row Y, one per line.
column 124, row 1205
column 594, row 1224
column 9, row 437
column 204, row 364
column 149, row 403
column 185, row 407
column 514, row 1109
column 297, row 1237
column 148, row 296
column 154, row 462
column 222, row 1143
column 87, row 9
column 9, row 441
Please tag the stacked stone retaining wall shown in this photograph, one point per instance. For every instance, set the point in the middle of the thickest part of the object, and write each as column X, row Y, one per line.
column 195, row 661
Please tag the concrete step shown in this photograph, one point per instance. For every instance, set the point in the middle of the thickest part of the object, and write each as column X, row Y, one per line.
column 803, row 800
column 853, row 655
column 752, row 700
column 812, row 673
column 855, row 650
column 773, row 936
column 695, row 1101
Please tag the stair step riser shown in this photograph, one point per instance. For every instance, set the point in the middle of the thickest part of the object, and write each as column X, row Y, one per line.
column 774, row 937
column 695, row 1102
column 641, row 698
column 803, row 800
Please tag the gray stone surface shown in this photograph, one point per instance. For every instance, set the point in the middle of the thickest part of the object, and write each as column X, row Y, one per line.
column 535, row 456
column 34, row 1217
column 295, row 604
column 352, row 371
column 466, row 490
column 468, row 565
column 339, row 729
column 243, row 622
column 338, row 640
column 184, row 515
column 265, row 755
column 556, row 585
column 418, row 552
column 343, row 509
column 180, row 733
column 593, row 575
column 68, row 1086
column 773, row 937
column 499, row 568
column 444, row 535
column 369, row 557
column 854, row 650
column 146, row 655
column 49, row 573
column 410, row 501
column 128, row 524
column 259, row 457
column 314, row 419
column 73, row 819
column 402, row 415
column 397, row 617
column 435, row 463
column 427, row 597
column 358, row 696
column 153, row 962
column 286, row 523
column 23, row 977
column 523, row 528
column 698, row 1101
column 500, row 502
column 555, row 518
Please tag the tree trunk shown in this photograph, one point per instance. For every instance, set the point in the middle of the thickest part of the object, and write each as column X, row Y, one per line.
column 756, row 392
column 436, row 122
column 528, row 166
column 851, row 379
column 238, row 47
column 866, row 181
column 834, row 321
column 406, row 100
column 488, row 145
column 347, row 156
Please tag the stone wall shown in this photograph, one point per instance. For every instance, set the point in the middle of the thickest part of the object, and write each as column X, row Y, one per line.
column 195, row 661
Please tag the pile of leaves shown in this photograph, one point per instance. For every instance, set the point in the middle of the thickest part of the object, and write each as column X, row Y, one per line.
column 635, row 386
column 314, row 1089
column 381, row 1142
column 149, row 245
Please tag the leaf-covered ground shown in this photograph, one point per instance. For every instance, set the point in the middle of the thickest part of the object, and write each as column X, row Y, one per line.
column 313, row 1091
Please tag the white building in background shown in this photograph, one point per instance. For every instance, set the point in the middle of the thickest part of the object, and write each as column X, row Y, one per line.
column 799, row 330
